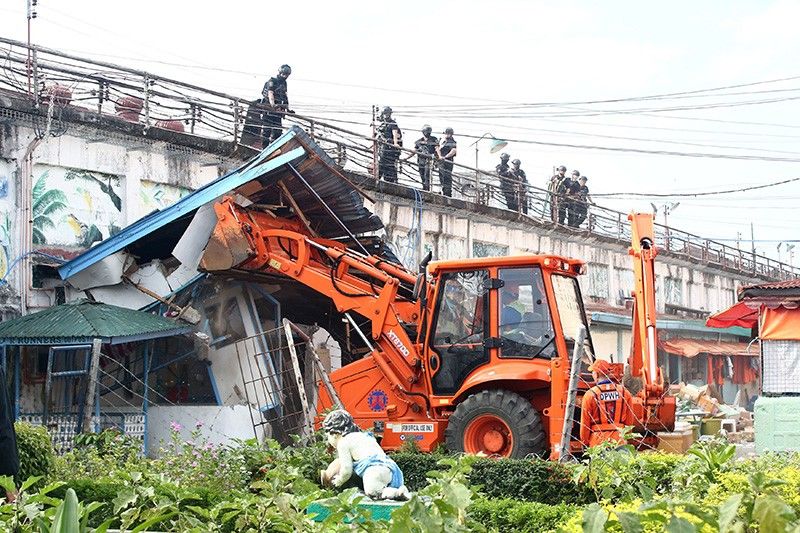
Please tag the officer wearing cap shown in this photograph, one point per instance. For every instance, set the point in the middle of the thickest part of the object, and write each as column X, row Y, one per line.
column 426, row 149
column 606, row 407
column 276, row 99
column 520, row 185
column 552, row 188
column 447, row 152
column 390, row 140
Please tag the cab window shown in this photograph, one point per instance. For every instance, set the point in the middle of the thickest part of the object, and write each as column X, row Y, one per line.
column 525, row 326
column 570, row 310
column 459, row 328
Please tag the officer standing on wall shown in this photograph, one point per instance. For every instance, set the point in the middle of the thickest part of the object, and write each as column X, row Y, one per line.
column 520, row 184
column 447, row 152
column 552, row 188
column 426, row 148
column 563, row 193
column 581, row 202
column 390, row 140
column 276, row 100
column 506, row 181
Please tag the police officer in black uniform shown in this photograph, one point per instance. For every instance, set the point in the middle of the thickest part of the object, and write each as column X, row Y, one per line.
column 447, row 152
column 564, row 199
column 390, row 140
column 426, row 149
column 580, row 205
column 276, row 102
column 507, row 182
column 521, row 185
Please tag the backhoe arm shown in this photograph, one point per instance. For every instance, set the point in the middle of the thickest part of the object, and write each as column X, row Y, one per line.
column 657, row 408
column 644, row 357
column 256, row 241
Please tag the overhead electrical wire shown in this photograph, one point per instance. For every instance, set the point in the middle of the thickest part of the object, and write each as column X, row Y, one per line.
column 696, row 194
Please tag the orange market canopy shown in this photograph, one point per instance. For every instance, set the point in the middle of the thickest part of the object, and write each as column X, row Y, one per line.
column 692, row 347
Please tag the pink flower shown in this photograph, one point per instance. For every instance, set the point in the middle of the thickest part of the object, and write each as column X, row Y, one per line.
column 194, row 464
column 174, row 426
column 198, row 425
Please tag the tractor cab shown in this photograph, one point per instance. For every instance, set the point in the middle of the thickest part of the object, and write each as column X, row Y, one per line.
column 500, row 320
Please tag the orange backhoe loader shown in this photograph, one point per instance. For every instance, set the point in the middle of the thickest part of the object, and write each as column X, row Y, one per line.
column 476, row 357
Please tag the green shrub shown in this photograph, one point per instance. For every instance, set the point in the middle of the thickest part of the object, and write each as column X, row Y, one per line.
column 534, row 480
column 620, row 474
column 36, row 454
column 523, row 517
column 415, row 467
column 90, row 490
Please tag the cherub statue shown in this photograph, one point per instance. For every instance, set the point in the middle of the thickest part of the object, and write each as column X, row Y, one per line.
column 360, row 452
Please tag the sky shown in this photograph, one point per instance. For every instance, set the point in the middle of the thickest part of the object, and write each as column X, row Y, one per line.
column 537, row 73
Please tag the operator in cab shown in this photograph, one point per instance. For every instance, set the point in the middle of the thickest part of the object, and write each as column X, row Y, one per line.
column 606, row 407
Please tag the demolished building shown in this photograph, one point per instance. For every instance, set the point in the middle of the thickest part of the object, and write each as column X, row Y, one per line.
column 153, row 265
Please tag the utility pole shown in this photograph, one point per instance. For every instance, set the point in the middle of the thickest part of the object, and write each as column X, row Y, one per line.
column 753, row 244
column 375, row 173
column 31, row 15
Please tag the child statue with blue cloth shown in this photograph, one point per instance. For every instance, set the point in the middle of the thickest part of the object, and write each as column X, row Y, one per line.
column 359, row 451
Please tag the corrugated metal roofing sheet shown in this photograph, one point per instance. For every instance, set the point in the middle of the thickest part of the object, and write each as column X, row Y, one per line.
column 82, row 321
column 155, row 235
column 693, row 347
column 777, row 285
column 786, row 289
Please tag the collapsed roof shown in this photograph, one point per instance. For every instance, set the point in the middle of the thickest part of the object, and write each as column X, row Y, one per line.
column 293, row 173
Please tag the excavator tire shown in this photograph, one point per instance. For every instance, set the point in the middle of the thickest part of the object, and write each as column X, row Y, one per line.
column 497, row 423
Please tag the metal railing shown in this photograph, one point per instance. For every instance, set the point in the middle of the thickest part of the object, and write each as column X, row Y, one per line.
column 53, row 79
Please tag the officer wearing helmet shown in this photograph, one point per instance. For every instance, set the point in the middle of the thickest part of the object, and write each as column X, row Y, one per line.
column 553, row 187
column 521, row 185
column 390, row 140
column 276, row 100
column 447, row 152
column 426, row 148
column 507, row 183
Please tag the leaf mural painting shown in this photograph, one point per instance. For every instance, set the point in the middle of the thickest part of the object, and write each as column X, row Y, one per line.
column 75, row 208
column 46, row 203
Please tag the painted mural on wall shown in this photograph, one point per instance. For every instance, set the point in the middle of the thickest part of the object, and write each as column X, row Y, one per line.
column 7, row 215
column 5, row 244
column 154, row 195
column 74, row 207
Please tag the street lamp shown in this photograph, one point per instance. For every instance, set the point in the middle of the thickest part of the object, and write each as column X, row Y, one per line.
column 668, row 208
column 495, row 146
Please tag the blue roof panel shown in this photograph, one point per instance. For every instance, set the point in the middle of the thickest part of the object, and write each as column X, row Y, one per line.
column 254, row 168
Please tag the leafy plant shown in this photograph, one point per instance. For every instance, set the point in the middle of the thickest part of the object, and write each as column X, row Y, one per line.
column 615, row 473
column 36, row 454
column 199, row 462
column 714, row 455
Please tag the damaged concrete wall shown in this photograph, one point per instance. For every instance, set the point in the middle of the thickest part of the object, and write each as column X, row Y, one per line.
column 85, row 185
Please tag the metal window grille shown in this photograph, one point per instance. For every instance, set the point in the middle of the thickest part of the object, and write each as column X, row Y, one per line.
column 780, row 367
